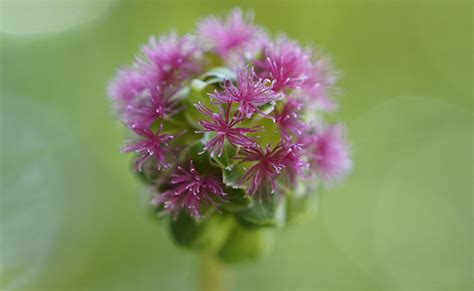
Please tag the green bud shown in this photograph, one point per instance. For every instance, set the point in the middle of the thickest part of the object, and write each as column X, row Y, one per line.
column 204, row 235
column 301, row 202
column 246, row 244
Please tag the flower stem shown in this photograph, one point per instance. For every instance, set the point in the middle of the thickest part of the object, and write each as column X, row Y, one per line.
column 211, row 274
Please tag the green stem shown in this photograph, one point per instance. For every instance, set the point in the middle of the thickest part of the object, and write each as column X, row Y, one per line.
column 212, row 274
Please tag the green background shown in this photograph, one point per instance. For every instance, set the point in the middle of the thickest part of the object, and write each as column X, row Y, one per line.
column 71, row 215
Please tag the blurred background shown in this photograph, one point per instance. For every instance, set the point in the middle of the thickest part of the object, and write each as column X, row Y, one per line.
column 71, row 213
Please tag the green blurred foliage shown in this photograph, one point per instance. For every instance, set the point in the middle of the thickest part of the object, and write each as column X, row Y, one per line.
column 71, row 213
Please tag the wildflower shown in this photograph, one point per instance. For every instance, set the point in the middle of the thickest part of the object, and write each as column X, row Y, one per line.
column 189, row 191
column 329, row 154
column 224, row 127
column 171, row 58
column 128, row 84
column 236, row 33
column 149, row 106
column 268, row 165
column 292, row 161
column 285, row 63
column 318, row 86
column 150, row 146
column 250, row 92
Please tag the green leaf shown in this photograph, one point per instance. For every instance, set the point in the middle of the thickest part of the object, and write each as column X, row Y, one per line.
column 204, row 235
column 246, row 244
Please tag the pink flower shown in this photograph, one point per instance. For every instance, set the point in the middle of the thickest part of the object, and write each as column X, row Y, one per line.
column 318, row 86
column 288, row 119
column 292, row 161
column 329, row 154
column 148, row 106
column 268, row 165
column 189, row 191
column 224, row 127
column 171, row 58
column 285, row 63
column 126, row 86
column 152, row 145
column 236, row 33
column 142, row 92
column 250, row 92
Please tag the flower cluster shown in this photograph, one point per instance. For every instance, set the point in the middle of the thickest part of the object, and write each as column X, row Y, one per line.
column 227, row 111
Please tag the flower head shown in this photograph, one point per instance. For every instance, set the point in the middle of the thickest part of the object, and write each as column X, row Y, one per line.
column 250, row 92
column 329, row 154
column 151, row 145
column 231, row 87
column 225, row 128
column 234, row 34
column 285, row 63
column 189, row 191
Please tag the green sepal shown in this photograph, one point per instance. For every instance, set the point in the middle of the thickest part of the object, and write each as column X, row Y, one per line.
column 199, row 92
column 200, row 158
column 246, row 244
column 208, row 234
column 267, row 210
column 226, row 159
column 232, row 178
column 236, row 200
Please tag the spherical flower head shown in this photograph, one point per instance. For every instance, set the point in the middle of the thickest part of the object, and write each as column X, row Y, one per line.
column 190, row 191
column 329, row 154
column 150, row 145
column 285, row 63
column 224, row 117
column 249, row 92
column 235, row 34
